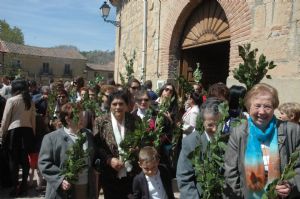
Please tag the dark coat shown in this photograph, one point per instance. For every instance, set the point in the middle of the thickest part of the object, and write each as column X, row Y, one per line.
column 51, row 161
column 186, row 178
column 107, row 148
column 288, row 142
column 140, row 184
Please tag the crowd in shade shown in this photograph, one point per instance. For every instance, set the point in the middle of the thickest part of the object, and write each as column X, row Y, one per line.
column 41, row 123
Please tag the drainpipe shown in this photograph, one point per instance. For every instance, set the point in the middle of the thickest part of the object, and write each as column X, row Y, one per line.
column 158, row 38
column 144, row 41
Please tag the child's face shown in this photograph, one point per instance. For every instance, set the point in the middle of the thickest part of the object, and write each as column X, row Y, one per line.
column 283, row 116
column 149, row 167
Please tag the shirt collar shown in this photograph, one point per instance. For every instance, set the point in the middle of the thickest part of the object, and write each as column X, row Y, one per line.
column 152, row 177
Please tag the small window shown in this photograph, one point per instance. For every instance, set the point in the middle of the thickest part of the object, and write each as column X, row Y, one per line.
column 110, row 75
column 67, row 69
column 45, row 67
column 16, row 63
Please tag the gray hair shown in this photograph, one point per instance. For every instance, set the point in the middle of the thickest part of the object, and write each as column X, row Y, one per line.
column 45, row 89
column 210, row 107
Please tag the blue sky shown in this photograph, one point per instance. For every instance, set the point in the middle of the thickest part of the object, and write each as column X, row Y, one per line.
column 48, row 23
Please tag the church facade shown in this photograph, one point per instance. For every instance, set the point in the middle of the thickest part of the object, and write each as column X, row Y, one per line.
column 172, row 36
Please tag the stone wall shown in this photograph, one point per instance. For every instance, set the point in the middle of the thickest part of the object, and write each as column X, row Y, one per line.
column 271, row 26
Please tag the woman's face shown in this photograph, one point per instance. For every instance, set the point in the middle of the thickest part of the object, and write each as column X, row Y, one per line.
column 76, row 124
column 118, row 108
column 83, row 95
column 62, row 99
column 261, row 109
column 134, row 87
column 168, row 91
column 143, row 102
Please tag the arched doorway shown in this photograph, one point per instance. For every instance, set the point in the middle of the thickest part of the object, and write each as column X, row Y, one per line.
column 206, row 40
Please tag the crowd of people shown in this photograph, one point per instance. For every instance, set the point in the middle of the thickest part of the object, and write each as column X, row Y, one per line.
column 39, row 125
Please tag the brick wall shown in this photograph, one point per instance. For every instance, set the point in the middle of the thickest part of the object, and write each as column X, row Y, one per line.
column 271, row 26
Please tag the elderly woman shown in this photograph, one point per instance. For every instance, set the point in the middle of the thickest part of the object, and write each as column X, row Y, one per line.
column 53, row 156
column 110, row 130
column 186, row 178
column 259, row 149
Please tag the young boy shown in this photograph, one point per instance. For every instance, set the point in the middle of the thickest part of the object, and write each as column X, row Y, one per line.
column 154, row 181
column 289, row 112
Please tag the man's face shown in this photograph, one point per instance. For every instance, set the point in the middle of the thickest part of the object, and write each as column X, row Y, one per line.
column 211, row 123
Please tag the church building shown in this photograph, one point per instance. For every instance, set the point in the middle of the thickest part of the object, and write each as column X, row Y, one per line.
column 172, row 36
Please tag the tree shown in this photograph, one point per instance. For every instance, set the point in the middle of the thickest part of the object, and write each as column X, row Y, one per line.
column 14, row 35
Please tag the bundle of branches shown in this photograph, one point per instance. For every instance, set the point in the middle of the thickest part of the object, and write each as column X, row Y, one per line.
column 76, row 159
column 147, row 133
column 142, row 135
column 209, row 164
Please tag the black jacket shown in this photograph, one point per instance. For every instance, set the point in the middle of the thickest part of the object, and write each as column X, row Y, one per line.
column 140, row 185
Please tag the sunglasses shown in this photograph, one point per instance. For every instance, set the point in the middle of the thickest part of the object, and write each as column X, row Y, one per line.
column 143, row 99
column 61, row 96
column 168, row 89
column 134, row 87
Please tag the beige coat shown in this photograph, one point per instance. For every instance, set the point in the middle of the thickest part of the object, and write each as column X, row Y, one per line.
column 15, row 115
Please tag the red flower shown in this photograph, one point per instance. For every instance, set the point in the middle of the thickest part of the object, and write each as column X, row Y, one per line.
column 151, row 125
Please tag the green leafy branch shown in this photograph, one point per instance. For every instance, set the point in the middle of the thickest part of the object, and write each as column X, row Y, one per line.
column 141, row 136
column 76, row 159
column 147, row 133
column 129, row 62
column 98, row 79
column 288, row 173
column 209, row 165
column 197, row 74
column 252, row 72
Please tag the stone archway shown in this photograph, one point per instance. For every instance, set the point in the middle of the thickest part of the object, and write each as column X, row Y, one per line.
column 239, row 19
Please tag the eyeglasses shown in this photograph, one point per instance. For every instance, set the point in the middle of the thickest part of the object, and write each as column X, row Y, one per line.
column 134, row 87
column 143, row 99
column 61, row 96
column 265, row 107
column 168, row 89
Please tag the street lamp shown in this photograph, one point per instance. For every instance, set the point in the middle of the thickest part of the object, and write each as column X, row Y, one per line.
column 105, row 9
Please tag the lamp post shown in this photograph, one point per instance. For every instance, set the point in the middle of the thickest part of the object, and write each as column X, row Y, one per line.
column 105, row 9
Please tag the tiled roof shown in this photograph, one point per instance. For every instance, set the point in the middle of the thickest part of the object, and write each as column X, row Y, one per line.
column 38, row 51
column 105, row 67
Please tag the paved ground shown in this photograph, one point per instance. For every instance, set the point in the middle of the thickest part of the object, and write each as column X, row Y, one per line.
column 33, row 194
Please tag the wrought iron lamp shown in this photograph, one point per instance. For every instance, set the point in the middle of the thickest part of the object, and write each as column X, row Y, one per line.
column 105, row 9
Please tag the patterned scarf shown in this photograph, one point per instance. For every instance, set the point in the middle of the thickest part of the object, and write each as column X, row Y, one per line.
column 256, row 180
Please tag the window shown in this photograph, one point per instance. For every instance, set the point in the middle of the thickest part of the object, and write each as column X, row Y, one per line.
column 110, row 75
column 45, row 67
column 67, row 69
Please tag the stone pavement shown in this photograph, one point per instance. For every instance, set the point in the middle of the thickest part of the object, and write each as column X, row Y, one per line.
column 33, row 194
